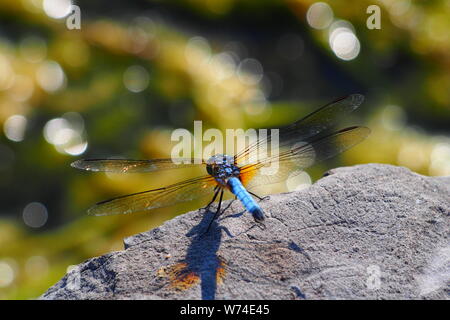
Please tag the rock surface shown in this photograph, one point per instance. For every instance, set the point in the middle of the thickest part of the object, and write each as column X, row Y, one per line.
column 364, row 232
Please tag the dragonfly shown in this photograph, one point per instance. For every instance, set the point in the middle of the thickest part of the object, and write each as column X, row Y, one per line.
column 302, row 144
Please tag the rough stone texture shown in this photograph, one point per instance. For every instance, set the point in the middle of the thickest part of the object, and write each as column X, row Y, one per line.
column 326, row 242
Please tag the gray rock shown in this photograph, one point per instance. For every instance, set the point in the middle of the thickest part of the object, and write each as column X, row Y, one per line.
column 364, row 232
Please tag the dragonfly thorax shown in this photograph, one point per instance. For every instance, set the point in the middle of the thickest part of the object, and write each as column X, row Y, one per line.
column 222, row 167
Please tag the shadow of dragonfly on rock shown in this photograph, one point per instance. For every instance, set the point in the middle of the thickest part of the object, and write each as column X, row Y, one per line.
column 202, row 264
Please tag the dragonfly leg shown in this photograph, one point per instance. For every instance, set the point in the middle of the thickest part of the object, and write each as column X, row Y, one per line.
column 216, row 193
column 261, row 225
column 256, row 196
column 218, row 210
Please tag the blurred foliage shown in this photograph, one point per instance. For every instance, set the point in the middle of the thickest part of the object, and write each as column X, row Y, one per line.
column 137, row 70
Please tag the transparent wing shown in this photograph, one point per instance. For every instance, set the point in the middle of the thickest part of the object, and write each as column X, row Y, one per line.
column 301, row 156
column 163, row 197
column 132, row 166
column 311, row 125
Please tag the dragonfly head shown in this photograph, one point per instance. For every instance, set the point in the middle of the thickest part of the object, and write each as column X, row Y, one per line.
column 221, row 166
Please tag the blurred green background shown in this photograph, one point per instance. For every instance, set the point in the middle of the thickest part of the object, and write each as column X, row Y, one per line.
column 137, row 70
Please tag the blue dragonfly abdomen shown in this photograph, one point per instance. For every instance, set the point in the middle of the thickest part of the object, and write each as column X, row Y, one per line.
column 242, row 194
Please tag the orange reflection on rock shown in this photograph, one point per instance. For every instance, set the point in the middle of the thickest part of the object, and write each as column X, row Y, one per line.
column 221, row 270
column 182, row 277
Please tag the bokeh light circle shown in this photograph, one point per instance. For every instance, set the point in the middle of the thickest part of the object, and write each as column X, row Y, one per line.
column 6, row 274
column 57, row 9
column 250, row 71
column 344, row 43
column 50, row 76
column 319, row 15
column 14, row 127
column 136, row 78
column 298, row 180
column 35, row 215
